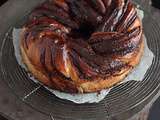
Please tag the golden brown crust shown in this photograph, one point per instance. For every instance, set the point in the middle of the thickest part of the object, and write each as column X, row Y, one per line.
column 83, row 87
column 94, row 86
column 82, row 51
column 59, row 84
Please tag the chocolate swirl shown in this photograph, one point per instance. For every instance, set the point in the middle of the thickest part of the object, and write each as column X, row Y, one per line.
column 82, row 40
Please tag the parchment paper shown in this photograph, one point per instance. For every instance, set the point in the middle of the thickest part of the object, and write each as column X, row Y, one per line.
column 137, row 73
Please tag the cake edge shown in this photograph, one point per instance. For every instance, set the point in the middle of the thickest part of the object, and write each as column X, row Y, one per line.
column 82, row 87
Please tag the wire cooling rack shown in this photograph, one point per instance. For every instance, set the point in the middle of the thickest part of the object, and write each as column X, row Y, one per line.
column 122, row 102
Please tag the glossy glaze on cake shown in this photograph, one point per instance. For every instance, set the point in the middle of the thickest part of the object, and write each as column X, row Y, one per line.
column 82, row 45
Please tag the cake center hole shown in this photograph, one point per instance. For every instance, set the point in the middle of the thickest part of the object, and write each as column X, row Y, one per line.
column 85, row 31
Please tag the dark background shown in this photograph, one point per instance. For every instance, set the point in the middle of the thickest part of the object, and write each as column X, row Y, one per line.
column 154, row 111
column 1, row 117
column 2, row 1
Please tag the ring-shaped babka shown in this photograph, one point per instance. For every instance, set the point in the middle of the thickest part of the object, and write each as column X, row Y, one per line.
column 82, row 46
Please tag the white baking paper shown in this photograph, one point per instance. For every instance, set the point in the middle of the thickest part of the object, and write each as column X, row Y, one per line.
column 137, row 73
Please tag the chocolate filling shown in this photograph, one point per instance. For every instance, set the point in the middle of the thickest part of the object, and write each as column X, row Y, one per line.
column 92, row 33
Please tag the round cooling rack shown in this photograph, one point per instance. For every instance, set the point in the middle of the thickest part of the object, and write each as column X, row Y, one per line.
column 121, row 103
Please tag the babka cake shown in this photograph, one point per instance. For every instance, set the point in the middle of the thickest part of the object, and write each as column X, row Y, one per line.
column 82, row 46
